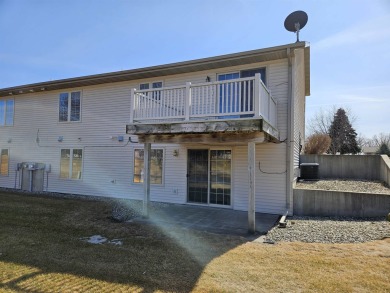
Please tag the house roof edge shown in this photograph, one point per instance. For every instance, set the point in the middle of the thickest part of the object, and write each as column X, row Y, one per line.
column 246, row 57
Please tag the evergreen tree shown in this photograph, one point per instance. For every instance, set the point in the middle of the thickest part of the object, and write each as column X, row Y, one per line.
column 383, row 150
column 343, row 135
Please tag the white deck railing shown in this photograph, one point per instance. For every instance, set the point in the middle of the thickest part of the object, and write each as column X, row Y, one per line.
column 229, row 99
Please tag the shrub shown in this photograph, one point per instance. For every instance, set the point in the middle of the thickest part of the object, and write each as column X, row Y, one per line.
column 317, row 144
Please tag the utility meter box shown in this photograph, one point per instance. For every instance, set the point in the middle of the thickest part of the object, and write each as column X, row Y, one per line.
column 32, row 176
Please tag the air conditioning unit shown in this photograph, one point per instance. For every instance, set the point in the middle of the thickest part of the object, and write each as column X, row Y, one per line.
column 309, row 171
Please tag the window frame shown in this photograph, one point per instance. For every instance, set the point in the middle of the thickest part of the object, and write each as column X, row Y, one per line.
column 264, row 78
column 232, row 168
column 155, row 95
column 69, row 106
column 1, row 162
column 5, row 116
column 70, row 164
column 140, row 175
column 150, row 85
column 224, row 107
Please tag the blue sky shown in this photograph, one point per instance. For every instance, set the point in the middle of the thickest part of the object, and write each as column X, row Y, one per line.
column 45, row 40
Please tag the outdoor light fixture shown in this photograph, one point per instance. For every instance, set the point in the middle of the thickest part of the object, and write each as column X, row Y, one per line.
column 175, row 153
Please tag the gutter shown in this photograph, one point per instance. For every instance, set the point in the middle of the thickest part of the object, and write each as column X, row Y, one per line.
column 210, row 63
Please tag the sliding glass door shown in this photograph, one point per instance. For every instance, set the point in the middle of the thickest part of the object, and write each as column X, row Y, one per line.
column 209, row 177
column 198, row 176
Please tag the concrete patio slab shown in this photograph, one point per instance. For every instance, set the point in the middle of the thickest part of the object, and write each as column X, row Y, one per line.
column 209, row 219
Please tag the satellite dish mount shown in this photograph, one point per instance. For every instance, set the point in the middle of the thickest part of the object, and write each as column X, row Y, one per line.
column 296, row 21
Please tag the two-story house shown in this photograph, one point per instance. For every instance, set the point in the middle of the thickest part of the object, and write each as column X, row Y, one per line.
column 224, row 131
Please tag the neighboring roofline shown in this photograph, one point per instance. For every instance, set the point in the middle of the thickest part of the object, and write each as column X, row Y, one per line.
column 247, row 57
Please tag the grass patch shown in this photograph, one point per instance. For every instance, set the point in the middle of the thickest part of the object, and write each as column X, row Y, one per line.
column 41, row 251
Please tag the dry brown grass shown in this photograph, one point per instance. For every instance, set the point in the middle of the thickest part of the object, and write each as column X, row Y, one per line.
column 41, row 251
column 300, row 267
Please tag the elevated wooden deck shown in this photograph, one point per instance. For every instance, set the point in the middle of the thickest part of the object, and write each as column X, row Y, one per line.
column 239, row 110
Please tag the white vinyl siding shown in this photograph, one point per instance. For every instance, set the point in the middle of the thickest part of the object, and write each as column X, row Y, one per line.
column 270, row 173
column 107, row 167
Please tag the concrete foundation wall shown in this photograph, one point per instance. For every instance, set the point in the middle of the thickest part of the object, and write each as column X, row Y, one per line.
column 323, row 203
column 366, row 167
column 385, row 169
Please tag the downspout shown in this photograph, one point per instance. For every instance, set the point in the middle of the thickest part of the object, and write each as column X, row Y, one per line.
column 290, row 125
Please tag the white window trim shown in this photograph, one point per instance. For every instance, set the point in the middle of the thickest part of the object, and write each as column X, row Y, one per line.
column 69, row 106
column 5, row 112
column 266, row 67
column 162, row 169
column 151, row 84
column 1, row 150
column 71, row 165
column 230, row 72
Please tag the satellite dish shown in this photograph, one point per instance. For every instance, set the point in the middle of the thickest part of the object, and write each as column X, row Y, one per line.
column 296, row 21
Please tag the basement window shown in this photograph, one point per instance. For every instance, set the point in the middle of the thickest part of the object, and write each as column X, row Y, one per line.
column 4, row 162
column 71, row 163
column 70, row 107
column 156, row 166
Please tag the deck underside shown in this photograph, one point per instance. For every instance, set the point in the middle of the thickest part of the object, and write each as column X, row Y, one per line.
column 237, row 131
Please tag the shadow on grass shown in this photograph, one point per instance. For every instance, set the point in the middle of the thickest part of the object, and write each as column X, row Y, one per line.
column 44, row 234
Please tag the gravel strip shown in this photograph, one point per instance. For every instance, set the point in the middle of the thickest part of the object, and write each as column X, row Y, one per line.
column 345, row 185
column 330, row 230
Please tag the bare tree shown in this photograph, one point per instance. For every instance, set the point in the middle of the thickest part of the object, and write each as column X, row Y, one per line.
column 363, row 141
column 323, row 119
column 321, row 122
column 380, row 139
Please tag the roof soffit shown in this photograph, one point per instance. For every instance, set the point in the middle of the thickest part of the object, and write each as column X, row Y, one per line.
column 248, row 57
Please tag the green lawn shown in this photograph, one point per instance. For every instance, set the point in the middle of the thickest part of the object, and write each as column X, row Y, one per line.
column 41, row 251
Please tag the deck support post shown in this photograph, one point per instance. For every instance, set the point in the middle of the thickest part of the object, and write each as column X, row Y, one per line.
column 252, row 184
column 146, row 202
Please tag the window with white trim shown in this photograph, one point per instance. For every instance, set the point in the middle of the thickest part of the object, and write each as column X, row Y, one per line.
column 154, row 94
column 7, row 112
column 70, row 107
column 4, row 162
column 71, row 163
column 156, row 166
column 151, row 85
